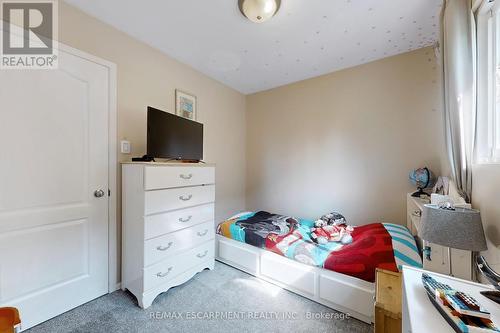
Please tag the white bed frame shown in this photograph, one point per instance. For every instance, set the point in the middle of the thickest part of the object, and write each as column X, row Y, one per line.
column 337, row 291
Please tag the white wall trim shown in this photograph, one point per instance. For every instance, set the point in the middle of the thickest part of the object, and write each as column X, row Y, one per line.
column 112, row 174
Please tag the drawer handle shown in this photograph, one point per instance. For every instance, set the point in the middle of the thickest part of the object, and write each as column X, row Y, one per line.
column 186, row 176
column 186, row 198
column 187, row 219
column 164, row 248
column 201, row 234
column 417, row 213
column 161, row 275
column 199, row 255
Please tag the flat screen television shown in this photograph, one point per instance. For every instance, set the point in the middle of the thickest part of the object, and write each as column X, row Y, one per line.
column 173, row 137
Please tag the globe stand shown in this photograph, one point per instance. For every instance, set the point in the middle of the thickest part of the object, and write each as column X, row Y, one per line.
column 419, row 193
column 420, row 188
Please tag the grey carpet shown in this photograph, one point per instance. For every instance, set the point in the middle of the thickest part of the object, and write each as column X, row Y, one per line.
column 223, row 289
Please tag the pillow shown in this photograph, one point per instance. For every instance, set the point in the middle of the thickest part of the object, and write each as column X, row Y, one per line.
column 237, row 216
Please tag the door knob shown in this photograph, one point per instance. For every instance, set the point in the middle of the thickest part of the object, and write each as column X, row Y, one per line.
column 99, row 193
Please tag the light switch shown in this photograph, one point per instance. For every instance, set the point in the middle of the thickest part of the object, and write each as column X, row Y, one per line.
column 125, row 147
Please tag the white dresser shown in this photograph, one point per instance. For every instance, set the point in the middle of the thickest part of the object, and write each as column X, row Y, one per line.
column 167, row 225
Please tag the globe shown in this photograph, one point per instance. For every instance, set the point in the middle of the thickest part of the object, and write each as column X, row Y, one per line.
column 421, row 178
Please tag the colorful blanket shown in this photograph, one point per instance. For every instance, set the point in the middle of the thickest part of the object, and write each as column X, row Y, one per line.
column 382, row 245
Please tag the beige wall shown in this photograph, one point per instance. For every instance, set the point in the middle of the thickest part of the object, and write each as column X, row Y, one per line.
column 148, row 77
column 346, row 141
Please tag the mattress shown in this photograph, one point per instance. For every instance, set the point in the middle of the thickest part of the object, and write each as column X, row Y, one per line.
column 377, row 245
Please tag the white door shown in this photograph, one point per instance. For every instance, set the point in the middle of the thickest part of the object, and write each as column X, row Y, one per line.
column 54, row 156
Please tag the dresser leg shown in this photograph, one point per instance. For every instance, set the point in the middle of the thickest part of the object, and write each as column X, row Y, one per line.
column 145, row 301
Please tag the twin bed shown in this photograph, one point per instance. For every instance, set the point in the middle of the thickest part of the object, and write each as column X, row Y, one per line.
column 281, row 250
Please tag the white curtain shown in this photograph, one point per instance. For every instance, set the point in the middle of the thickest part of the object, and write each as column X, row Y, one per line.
column 459, row 62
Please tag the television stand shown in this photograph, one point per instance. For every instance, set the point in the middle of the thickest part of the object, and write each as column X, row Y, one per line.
column 182, row 160
column 144, row 158
column 147, row 158
column 190, row 161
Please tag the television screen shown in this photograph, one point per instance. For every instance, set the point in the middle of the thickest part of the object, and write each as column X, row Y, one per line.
column 170, row 136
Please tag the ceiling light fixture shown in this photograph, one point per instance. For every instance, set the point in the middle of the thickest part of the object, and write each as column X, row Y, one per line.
column 259, row 11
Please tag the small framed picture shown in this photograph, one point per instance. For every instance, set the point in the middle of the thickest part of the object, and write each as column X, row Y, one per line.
column 185, row 105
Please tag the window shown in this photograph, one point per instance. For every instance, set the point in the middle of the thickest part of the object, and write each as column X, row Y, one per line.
column 488, row 96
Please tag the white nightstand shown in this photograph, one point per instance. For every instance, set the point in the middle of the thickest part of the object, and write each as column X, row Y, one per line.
column 419, row 315
column 462, row 260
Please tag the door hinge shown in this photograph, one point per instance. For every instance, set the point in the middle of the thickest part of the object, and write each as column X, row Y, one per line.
column 109, row 192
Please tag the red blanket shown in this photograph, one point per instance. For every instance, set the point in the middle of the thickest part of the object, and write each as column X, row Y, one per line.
column 371, row 248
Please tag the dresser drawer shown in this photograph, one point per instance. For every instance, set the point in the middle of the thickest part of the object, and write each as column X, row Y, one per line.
column 168, row 177
column 165, row 200
column 162, row 247
column 415, row 221
column 160, row 224
column 171, row 267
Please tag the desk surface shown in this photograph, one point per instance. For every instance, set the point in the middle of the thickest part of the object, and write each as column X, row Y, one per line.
column 419, row 315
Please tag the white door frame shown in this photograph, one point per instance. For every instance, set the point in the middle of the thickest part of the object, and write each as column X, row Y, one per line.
column 113, row 283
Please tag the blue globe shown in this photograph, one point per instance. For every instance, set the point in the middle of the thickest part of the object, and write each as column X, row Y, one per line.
column 422, row 178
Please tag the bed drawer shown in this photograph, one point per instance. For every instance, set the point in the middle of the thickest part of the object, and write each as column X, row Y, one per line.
column 283, row 270
column 168, row 177
column 160, row 224
column 171, row 267
column 238, row 255
column 177, row 198
column 333, row 290
column 162, row 247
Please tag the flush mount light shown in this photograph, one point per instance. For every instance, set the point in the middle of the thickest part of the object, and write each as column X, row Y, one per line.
column 259, row 11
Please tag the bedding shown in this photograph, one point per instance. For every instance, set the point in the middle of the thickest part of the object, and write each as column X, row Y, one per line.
column 377, row 245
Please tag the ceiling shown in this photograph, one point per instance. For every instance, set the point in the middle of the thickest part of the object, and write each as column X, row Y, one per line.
column 305, row 39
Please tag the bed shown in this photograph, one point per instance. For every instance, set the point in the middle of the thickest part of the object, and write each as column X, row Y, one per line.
column 280, row 249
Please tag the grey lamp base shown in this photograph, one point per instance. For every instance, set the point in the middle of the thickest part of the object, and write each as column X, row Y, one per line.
column 492, row 276
column 493, row 295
